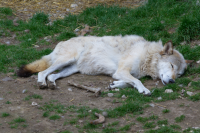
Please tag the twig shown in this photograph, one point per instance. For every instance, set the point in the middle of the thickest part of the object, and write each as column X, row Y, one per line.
column 95, row 90
column 160, row 105
column 100, row 120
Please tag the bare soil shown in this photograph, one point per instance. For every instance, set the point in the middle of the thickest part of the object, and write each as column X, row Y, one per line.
column 12, row 90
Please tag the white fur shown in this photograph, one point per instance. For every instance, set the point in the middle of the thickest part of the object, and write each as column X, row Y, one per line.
column 125, row 58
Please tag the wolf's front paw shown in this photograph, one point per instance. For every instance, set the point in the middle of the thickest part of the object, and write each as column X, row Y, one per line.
column 52, row 85
column 42, row 85
column 145, row 91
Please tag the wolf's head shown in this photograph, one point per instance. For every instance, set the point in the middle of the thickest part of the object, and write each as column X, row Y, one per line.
column 171, row 64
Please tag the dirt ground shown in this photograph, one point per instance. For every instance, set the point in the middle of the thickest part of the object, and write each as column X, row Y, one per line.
column 12, row 88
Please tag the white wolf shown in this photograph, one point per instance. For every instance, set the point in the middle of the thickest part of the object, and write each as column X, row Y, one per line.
column 125, row 58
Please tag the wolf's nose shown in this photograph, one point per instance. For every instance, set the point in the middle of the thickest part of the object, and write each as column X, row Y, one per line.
column 171, row 81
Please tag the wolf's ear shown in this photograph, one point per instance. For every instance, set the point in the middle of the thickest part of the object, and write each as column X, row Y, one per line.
column 168, row 49
column 188, row 61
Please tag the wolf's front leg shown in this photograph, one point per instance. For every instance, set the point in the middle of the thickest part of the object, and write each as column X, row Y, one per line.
column 127, row 78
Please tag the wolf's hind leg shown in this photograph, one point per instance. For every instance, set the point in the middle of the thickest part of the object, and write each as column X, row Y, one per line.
column 58, row 64
column 119, row 84
column 67, row 71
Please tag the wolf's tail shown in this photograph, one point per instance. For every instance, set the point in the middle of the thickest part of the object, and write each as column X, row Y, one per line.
column 34, row 67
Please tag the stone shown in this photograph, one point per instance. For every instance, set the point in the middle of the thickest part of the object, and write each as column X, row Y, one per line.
column 69, row 89
column 110, row 94
column 116, row 89
column 159, row 98
column 152, row 105
column 24, row 91
column 7, row 79
column 105, row 114
column 123, row 96
column 74, row 5
column 189, row 84
column 190, row 93
column 168, row 91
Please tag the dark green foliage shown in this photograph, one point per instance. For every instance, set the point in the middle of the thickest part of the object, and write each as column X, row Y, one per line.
column 162, row 129
column 180, row 118
column 5, row 10
column 162, row 122
column 5, row 114
column 166, row 111
column 195, row 97
column 54, row 117
column 149, row 125
column 40, row 17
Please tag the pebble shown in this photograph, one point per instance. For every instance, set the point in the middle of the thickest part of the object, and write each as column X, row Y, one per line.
column 90, row 111
column 74, row 5
column 168, row 91
column 7, row 42
column 190, row 93
column 198, row 61
column 27, row 31
column 76, row 30
column 7, row 79
column 80, row 121
column 189, row 84
column 105, row 114
column 116, row 89
column 123, row 96
column 181, row 85
column 34, row 104
column 152, row 105
column 108, row 100
column 110, row 94
column 67, row 10
column 24, row 91
column 1, row 98
column 69, row 89
column 159, row 98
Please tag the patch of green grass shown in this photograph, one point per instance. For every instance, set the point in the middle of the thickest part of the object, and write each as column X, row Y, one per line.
column 4, row 114
column 195, row 97
column 89, row 126
column 14, row 126
column 180, row 118
column 40, row 17
column 24, row 125
column 110, row 130
column 195, row 85
column 165, row 111
column 35, row 96
column 153, row 117
column 175, row 126
column 162, row 129
column 142, row 119
column 73, row 121
column 125, row 128
column 162, row 122
column 115, row 123
column 54, row 117
column 19, row 120
column 149, row 125
column 66, row 131
column 54, row 107
column 46, row 114
column 5, row 10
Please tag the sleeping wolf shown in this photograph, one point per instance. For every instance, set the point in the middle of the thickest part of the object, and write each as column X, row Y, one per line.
column 125, row 58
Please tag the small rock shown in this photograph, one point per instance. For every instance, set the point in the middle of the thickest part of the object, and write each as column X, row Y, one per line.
column 116, row 89
column 108, row 100
column 198, row 61
column 196, row 128
column 159, row 98
column 73, row 5
column 152, row 105
column 183, row 43
column 25, row 10
column 7, row 79
column 80, row 121
column 69, row 89
column 7, row 42
column 67, row 10
column 190, row 93
column 110, row 94
column 34, row 104
column 181, row 85
column 123, row 96
column 27, row 31
column 105, row 114
column 76, row 30
column 29, row 39
column 24, row 91
column 1, row 98
column 189, row 84
column 90, row 111
column 168, row 91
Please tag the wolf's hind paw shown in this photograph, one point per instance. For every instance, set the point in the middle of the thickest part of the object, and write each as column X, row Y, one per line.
column 42, row 85
column 52, row 85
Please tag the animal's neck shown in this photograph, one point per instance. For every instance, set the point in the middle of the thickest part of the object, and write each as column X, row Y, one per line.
column 150, row 65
